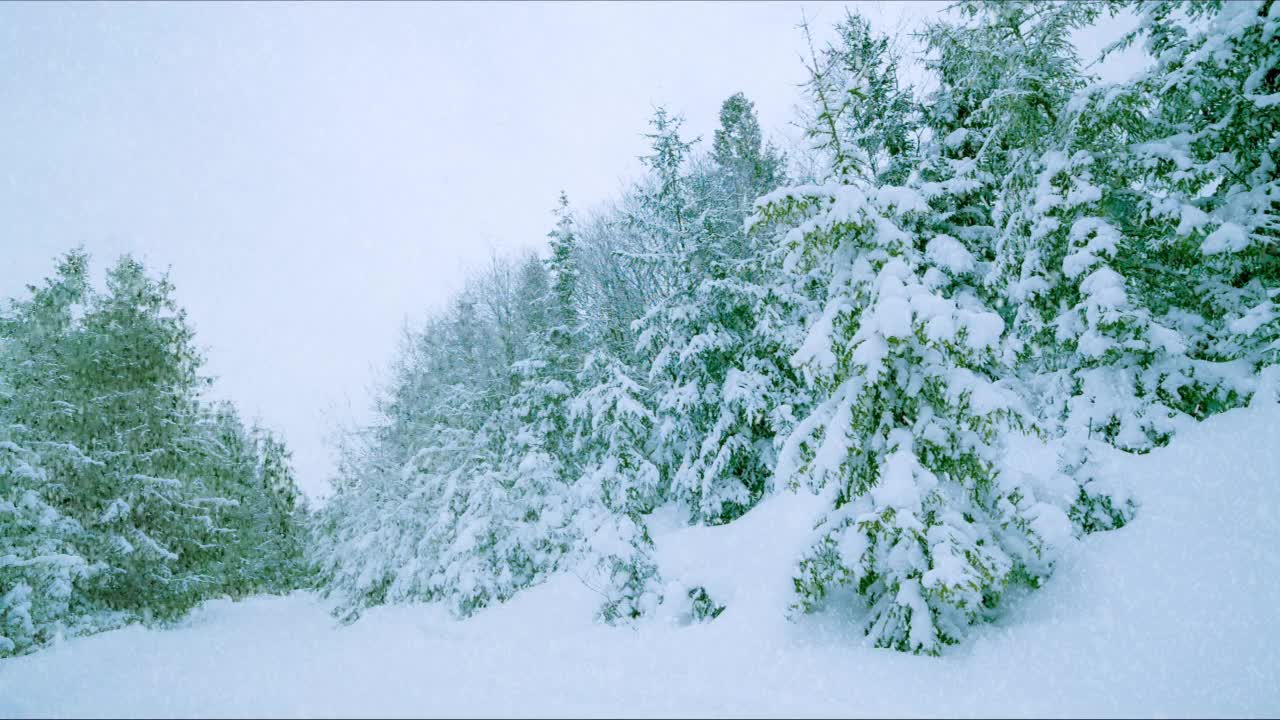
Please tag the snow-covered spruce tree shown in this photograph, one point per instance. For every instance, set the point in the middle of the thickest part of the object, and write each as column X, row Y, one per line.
column 907, row 444
column 1130, row 306
column 284, row 526
column 107, row 397
column 40, row 563
column 745, row 166
column 42, row 573
column 906, row 439
column 120, row 511
column 1007, row 73
column 859, row 122
column 260, row 542
column 134, row 376
column 618, row 484
column 1037, row 205
column 565, row 321
column 662, row 210
column 579, row 448
column 537, row 454
column 717, row 377
column 1203, row 190
column 40, row 566
column 536, row 504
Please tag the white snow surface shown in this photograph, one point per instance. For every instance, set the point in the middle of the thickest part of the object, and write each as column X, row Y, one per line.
column 1173, row 615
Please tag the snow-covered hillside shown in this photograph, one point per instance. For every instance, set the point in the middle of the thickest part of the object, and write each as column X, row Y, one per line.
column 1173, row 615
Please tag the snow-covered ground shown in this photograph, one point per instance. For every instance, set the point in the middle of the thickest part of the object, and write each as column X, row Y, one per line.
column 1177, row 614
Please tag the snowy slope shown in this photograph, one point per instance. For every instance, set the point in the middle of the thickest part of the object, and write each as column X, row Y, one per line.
column 1174, row 615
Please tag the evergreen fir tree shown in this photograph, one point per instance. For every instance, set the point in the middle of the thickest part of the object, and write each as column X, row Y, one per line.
column 128, row 497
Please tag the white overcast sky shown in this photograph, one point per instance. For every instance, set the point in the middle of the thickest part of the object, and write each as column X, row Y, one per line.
column 314, row 174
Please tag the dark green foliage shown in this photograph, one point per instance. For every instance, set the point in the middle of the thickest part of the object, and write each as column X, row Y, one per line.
column 153, row 499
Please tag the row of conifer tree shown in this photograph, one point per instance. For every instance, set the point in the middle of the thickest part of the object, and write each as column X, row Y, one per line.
column 124, row 494
column 1021, row 253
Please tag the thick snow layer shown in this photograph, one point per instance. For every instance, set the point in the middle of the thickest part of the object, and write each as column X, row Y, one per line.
column 1174, row 615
